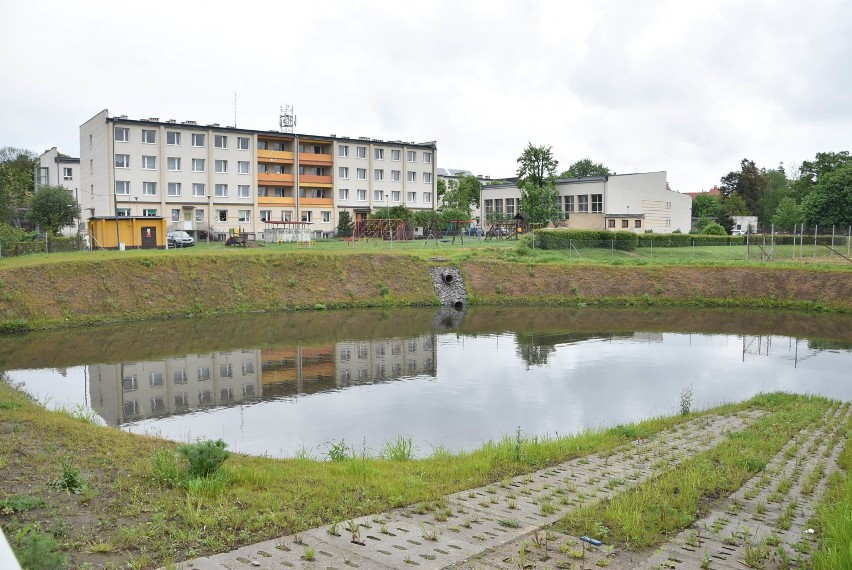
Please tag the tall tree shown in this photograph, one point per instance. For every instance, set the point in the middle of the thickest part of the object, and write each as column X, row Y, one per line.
column 537, row 183
column 585, row 167
column 462, row 194
column 53, row 208
column 777, row 188
column 17, row 167
column 706, row 206
column 788, row 214
column 749, row 182
column 812, row 171
column 829, row 203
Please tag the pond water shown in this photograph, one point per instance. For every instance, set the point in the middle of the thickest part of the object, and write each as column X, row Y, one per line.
column 280, row 384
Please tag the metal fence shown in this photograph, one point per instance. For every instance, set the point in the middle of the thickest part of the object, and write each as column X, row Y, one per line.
column 41, row 245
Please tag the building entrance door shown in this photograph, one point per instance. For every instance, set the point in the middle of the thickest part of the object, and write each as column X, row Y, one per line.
column 149, row 237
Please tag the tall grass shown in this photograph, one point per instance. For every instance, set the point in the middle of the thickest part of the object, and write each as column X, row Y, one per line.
column 834, row 516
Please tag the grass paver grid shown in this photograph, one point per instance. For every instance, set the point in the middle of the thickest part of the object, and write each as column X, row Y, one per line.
column 730, row 533
column 483, row 518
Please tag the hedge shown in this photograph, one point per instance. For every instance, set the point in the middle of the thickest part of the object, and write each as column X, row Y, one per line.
column 561, row 238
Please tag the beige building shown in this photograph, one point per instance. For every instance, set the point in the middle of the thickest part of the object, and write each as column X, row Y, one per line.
column 58, row 169
column 624, row 202
column 219, row 180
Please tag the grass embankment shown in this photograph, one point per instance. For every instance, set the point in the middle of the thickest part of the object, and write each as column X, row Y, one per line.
column 56, row 290
column 134, row 507
column 834, row 516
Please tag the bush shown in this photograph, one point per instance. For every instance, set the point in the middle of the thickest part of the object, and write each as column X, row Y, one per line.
column 205, row 457
column 714, row 229
column 562, row 239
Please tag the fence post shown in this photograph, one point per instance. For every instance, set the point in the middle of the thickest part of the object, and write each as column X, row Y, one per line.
column 612, row 248
column 816, row 228
column 832, row 236
column 848, row 241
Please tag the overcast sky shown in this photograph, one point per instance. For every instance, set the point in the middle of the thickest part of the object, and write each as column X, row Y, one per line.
column 686, row 87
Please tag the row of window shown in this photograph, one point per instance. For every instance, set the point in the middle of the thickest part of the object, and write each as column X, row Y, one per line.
column 158, row 402
column 243, row 216
column 174, row 164
column 381, row 196
column 379, row 154
column 496, row 206
column 173, row 138
column 583, row 204
column 175, row 189
column 379, row 175
column 610, row 223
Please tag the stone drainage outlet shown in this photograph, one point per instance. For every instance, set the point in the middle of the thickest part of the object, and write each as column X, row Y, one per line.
column 449, row 287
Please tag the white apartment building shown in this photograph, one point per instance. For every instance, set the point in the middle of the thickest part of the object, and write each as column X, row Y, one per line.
column 58, row 169
column 619, row 202
column 222, row 179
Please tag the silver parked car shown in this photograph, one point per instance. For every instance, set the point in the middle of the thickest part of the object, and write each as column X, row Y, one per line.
column 179, row 239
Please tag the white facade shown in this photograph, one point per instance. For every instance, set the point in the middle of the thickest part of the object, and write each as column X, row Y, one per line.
column 625, row 202
column 59, row 169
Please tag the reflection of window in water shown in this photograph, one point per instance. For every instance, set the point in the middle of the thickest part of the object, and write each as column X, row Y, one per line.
column 180, row 376
column 225, row 370
column 248, row 367
column 427, row 343
column 203, row 373
column 345, row 353
column 205, row 397
column 158, row 403
column 380, row 350
column 182, row 400
column 129, row 383
column 396, row 370
column 380, row 370
column 412, row 366
column 362, row 373
column 396, row 348
column 226, row 394
column 156, row 379
column 345, row 375
column 131, row 408
column 427, row 364
column 412, row 345
column 248, row 390
column 362, row 352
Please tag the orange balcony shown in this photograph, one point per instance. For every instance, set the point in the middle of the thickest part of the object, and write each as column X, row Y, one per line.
column 275, row 156
column 316, row 202
column 265, row 178
column 311, row 180
column 275, row 201
column 308, row 158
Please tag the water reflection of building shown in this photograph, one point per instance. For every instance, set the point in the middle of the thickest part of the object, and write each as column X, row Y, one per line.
column 134, row 390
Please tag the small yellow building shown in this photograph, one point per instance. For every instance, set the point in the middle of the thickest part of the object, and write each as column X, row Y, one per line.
column 127, row 232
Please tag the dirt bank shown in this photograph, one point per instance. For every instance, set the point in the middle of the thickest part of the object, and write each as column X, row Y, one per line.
column 158, row 287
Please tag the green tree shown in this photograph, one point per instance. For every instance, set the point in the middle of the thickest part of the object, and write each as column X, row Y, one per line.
column 585, row 167
column 811, row 171
column 788, row 214
column 777, row 188
column 829, row 203
column 462, row 194
column 714, row 229
column 53, row 207
column 17, row 168
column 442, row 189
column 344, row 224
column 749, row 183
column 537, row 183
column 706, row 205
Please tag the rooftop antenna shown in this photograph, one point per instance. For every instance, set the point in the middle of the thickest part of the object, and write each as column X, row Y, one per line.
column 287, row 119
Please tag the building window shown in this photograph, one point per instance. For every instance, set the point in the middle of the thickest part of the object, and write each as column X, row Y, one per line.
column 378, row 174
column 242, row 143
column 427, row 158
column 624, row 223
column 379, row 153
column 199, row 215
column 123, row 212
column 149, row 212
column 173, row 163
column 378, row 196
column 149, row 136
column 396, row 175
column 411, row 197
column 326, row 216
column 411, row 176
column 174, row 188
column 149, row 188
column 244, row 215
column 583, row 204
column 149, row 162
column 395, row 154
column 198, row 139
column 220, row 141
column 129, row 384
column 361, row 173
column 175, row 214
column 360, row 152
column 221, row 166
column 489, row 208
column 122, row 187
column 396, row 196
column 597, row 203
column 412, row 155
column 427, row 177
column 199, row 190
column 637, row 223
column 427, row 197
column 362, row 195
column 668, row 205
column 569, row 204
column 343, row 194
column 122, row 134
column 221, row 190
column 242, row 167
column 198, row 165
column 172, row 137
column 343, row 151
column 122, row 161
column 286, row 215
column 343, row 172
column 222, row 215
column 243, row 191
column 307, row 216
column 510, row 206
column 67, row 174
column 265, row 215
